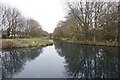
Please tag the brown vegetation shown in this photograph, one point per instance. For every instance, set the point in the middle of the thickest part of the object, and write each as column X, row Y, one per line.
column 19, row 43
column 94, row 22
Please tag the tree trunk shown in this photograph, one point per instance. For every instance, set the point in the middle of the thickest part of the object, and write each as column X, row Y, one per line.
column 118, row 23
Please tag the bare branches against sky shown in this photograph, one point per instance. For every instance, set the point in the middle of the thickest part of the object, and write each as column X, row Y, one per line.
column 47, row 12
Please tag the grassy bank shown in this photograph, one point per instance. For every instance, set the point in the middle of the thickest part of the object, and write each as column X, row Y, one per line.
column 25, row 43
column 110, row 44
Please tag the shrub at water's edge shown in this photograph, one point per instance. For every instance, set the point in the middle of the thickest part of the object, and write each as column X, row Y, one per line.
column 25, row 43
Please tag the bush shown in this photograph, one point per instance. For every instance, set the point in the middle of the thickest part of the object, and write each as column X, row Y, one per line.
column 8, row 44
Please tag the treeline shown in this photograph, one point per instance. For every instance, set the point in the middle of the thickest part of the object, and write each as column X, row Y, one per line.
column 89, row 21
column 14, row 25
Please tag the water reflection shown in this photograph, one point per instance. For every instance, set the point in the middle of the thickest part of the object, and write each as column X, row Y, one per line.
column 80, row 61
column 13, row 62
column 89, row 61
column 0, row 66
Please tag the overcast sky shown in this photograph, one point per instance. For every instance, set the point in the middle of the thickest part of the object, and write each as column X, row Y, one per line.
column 46, row 12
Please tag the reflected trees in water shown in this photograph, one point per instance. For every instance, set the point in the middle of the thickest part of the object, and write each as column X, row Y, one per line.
column 81, row 61
column 13, row 62
column 84, row 61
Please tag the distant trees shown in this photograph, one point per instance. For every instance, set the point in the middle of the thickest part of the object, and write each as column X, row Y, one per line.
column 33, row 28
column 14, row 25
column 58, row 32
column 93, row 21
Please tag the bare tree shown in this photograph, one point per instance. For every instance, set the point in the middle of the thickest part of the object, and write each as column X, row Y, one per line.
column 10, row 18
column 13, row 18
column 33, row 28
column 14, row 24
column 93, row 21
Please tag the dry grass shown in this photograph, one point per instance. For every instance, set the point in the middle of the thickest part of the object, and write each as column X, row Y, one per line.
column 110, row 44
column 24, row 43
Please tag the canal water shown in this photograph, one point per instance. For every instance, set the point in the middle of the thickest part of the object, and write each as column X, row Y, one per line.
column 62, row 60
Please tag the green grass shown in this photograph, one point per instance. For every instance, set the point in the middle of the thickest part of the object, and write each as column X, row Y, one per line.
column 39, row 40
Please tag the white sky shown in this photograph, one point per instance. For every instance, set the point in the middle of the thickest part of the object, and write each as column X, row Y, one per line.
column 47, row 12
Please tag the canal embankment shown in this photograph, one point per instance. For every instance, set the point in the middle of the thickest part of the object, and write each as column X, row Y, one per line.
column 92, row 43
column 25, row 43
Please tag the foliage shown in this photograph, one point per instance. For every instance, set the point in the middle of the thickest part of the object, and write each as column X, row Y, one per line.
column 89, row 21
